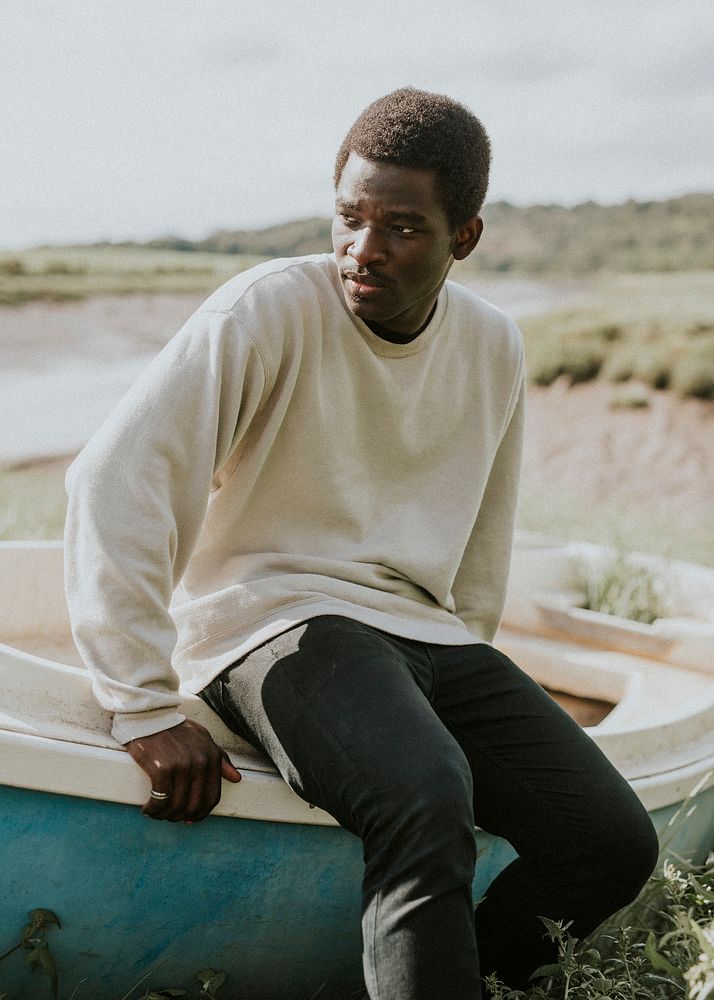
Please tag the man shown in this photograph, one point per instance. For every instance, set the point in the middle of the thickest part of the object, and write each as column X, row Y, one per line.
column 321, row 468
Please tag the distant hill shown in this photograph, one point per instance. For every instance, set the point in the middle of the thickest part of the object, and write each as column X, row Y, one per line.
column 671, row 235
column 289, row 239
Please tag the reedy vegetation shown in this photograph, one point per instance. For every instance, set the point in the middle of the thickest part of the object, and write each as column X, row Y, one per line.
column 661, row 948
column 623, row 330
column 624, row 588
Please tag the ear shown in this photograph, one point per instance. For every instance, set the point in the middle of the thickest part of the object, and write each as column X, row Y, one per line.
column 466, row 237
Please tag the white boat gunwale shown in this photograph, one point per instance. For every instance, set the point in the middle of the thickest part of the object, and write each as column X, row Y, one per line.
column 664, row 750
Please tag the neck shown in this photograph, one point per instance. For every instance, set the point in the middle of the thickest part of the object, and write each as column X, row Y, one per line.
column 397, row 337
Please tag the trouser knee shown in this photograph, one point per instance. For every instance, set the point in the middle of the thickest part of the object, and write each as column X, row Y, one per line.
column 426, row 825
column 638, row 853
column 621, row 858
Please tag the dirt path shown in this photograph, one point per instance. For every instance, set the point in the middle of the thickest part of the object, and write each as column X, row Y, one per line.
column 644, row 456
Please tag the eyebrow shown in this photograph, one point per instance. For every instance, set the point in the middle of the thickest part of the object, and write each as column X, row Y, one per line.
column 393, row 214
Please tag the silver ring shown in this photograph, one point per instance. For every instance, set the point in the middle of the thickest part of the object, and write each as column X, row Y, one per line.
column 159, row 795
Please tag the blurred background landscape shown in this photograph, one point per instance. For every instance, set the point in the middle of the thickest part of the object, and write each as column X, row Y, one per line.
column 135, row 140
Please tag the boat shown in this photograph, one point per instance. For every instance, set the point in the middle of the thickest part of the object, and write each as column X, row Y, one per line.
column 267, row 889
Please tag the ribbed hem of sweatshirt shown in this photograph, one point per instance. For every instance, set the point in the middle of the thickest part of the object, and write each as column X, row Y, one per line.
column 128, row 726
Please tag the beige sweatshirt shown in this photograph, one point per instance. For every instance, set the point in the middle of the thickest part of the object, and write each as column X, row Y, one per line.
column 279, row 461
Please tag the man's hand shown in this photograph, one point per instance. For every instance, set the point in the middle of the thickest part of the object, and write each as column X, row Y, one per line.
column 186, row 764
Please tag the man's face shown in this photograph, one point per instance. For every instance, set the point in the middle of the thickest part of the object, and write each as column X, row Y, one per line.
column 392, row 242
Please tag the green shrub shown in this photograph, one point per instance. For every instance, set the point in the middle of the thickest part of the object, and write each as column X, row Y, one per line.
column 696, row 328
column 621, row 362
column 624, row 589
column 693, row 372
column 12, row 266
column 544, row 371
column 609, row 332
column 653, row 365
column 577, row 353
column 635, row 398
column 33, row 501
column 63, row 267
column 640, row 327
column 583, row 358
column 65, row 273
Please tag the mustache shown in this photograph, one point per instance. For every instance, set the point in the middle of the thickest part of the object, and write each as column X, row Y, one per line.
column 357, row 273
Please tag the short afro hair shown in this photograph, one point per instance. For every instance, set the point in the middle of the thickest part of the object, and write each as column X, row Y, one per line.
column 415, row 128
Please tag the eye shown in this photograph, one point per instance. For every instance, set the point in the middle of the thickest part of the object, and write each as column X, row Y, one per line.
column 349, row 220
column 403, row 230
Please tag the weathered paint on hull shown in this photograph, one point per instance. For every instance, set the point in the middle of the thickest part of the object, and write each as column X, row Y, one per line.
column 274, row 905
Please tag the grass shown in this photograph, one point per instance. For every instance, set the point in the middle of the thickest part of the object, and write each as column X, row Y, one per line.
column 62, row 273
column 624, row 589
column 661, row 948
column 657, row 329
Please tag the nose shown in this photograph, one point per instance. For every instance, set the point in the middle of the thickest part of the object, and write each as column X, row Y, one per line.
column 367, row 247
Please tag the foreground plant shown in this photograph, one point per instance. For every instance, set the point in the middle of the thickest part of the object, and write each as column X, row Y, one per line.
column 665, row 953
column 700, row 978
column 625, row 589
column 33, row 939
column 210, row 982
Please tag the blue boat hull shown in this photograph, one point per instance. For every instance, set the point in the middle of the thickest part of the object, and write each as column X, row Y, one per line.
column 276, row 906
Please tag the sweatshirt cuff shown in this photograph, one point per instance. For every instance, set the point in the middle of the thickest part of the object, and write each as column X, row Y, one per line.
column 129, row 726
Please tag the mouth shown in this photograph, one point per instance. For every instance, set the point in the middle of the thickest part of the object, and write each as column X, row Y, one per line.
column 363, row 284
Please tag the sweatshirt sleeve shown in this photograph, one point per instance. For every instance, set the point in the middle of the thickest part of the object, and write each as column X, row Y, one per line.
column 137, row 497
column 480, row 585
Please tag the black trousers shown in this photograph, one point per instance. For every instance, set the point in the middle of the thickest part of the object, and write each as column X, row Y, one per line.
column 409, row 745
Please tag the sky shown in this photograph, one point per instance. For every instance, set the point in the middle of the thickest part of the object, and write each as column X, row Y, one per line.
column 147, row 118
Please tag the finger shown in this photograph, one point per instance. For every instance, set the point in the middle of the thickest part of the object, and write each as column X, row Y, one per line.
column 205, row 790
column 157, row 808
column 228, row 771
column 178, row 804
column 206, row 793
column 206, row 797
column 175, row 780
